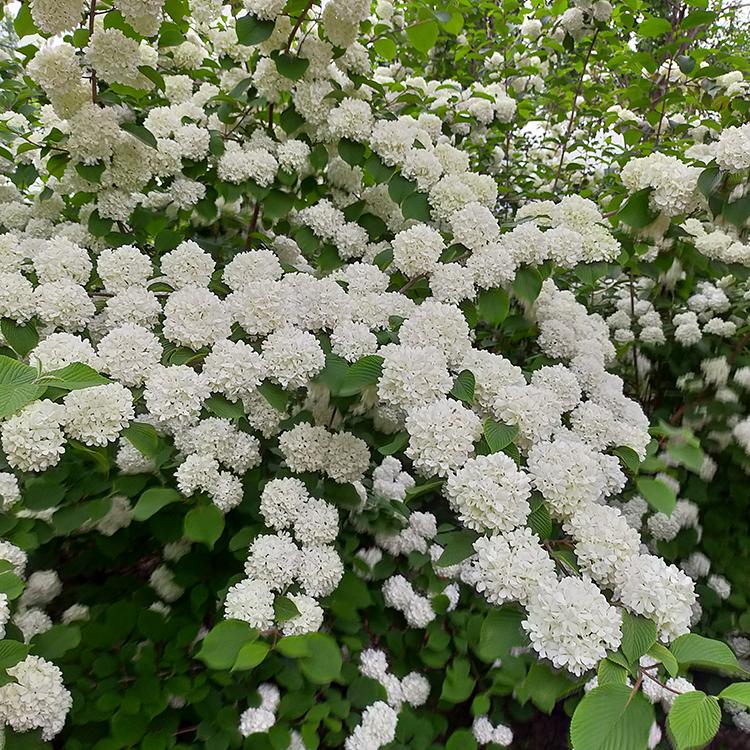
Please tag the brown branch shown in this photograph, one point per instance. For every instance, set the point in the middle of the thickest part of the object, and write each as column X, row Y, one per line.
column 92, row 14
column 298, row 23
column 635, row 350
column 571, row 121
column 252, row 226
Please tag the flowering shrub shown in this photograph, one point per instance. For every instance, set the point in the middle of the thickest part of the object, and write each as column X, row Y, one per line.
column 312, row 438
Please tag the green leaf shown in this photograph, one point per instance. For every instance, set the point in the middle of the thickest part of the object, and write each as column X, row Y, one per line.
column 739, row 692
column 657, row 494
column 629, row 457
column 737, row 212
column 250, row 655
column 637, row 212
column 23, row 23
column 638, row 635
column 463, row 387
column 452, row 22
column 72, row 377
column 251, row 30
column 170, row 34
column 221, row 645
column 351, row 152
column 275, row 395
column 458, row 684
column 386, row 48
column 204, row 524
column 399, row 442
column 690, row 456
column 653, row 27
column 91, row 172
column 423, row 489
column 612, row 717
column 11, row 652
column 290, row 120
column 664, row 655
column 57, row 641
column 318, row 654
column 498, row 435
column 693, row 720
column 17, row 386
column 610, row 673
column 97, row 225
column 527, row 284
column 693, row 650
column 377, row 171
column 22, row 338
column 544, row 686
column 292, row 67
column 457, row 546
column 56, row 164
column 501, row 631
column 72, row 517
column 153, row 75
column 685, row 63
column 223, row 407
column 364, row 372
column 284, row 609
column 697, row 18
column 153, row 500
column 709, row 179
column 423, row 35
column 277, row 204
column 461, row 739
column 399, row 188
column 10, row 584
column 143, row 437
column 493, row 306
column 417, row 206
column 539, row 520
column 143, row 135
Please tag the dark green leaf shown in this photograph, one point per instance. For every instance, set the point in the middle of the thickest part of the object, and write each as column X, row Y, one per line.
column 251, row 30
column 153, row 500
column 204, row 524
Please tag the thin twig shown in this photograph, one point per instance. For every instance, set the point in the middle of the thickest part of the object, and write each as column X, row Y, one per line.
column 635, row 350
column 579, row 88
column 298, row 23
column 252, row 226
column 92, row 14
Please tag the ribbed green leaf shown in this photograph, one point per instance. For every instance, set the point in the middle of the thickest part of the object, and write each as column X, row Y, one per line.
column 365, row 371
column 638, row 635
column 17, row 386
column 693, row 650
column 693, row 720
column 612, row 717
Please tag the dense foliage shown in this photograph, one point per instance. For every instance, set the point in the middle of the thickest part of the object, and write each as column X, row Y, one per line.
column 374, row 375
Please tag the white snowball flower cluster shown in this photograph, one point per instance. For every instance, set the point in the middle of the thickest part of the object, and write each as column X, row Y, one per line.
column 673, row 185
column 377, row 728
column 510, row 566
column 413, row 689
column 400, row 595
column 571, row 623
column 341, row 455
column 37, row 699
column 414, row 537
column 650, row 587
column 485, row 732
column 262, row 718
column 490, row 492
column 390, row 480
